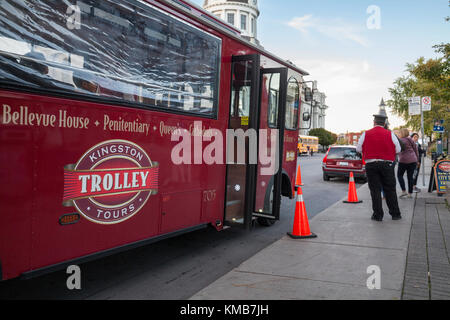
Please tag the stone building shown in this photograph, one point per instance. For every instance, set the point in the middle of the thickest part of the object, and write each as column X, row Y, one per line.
column 317, row 109
column 242, row 14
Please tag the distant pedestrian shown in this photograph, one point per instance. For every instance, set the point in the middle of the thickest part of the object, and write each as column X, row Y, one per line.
column 402, row 145
column 408, row 161
column 422, row 152
column 379, row 148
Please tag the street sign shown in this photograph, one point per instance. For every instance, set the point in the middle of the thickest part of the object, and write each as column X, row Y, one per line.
column 439, row 126
column 426, row 104
column 414, row 106
column 417, row 106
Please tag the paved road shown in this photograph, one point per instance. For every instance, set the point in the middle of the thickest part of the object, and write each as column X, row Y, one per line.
column 319, row 195
column 180, row 267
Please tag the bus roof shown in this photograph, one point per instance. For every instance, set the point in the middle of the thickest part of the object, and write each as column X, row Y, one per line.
column 194, row 11
column 190, row 5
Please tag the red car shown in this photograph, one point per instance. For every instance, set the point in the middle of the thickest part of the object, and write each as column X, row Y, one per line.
column 341, row 160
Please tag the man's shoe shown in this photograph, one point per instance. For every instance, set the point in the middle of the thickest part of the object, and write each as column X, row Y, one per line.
column 375, row 218
column 416, row 190
column 395, row 218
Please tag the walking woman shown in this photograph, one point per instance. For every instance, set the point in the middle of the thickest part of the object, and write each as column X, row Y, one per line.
column 408, row 160
column 422, row 152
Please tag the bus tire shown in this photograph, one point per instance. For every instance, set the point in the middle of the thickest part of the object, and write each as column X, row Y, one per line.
column 265, row 222
column 268, row 200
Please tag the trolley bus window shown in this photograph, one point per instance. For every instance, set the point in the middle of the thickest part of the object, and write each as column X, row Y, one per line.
column 274, row 94
column 292, row 103
column 244, row 102
column 124, row 50
column 240, row 95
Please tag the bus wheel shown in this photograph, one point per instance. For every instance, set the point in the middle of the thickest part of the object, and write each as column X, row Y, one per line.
column 268, row 206
column 266, row 222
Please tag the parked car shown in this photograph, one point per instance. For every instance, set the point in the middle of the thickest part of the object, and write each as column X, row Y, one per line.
column 341, row 160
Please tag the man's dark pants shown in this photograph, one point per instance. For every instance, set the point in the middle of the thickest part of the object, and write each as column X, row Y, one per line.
column 381, row 175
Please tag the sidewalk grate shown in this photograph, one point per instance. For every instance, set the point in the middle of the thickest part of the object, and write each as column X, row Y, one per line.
column 427, row 274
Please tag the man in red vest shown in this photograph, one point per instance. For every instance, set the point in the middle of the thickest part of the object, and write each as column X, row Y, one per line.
column 379, row 147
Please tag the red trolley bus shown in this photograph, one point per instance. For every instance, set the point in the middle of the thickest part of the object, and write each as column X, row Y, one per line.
column 91, row 96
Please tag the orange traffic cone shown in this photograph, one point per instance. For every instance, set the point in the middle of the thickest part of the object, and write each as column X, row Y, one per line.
column 301, row 229
column 352, row 196
column 298, row 181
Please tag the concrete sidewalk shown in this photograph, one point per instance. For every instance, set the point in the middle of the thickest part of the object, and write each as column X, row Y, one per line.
column 335, row 265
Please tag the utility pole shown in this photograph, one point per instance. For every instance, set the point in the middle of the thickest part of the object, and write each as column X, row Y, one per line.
column 417, row 105
column 423, row 141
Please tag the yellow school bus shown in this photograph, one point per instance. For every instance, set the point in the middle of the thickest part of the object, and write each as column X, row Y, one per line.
column 308, row 145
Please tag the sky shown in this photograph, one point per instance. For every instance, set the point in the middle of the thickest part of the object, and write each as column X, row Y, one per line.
column 355, row 49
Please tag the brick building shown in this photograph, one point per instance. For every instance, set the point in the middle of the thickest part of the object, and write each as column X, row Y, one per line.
column 352, row 138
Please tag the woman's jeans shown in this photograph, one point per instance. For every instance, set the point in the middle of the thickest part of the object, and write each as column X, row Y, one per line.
column 409, row 168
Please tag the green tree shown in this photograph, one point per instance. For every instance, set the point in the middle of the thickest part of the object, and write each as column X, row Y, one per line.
column 326, row 138
column 342, row 141
column 335, row 138
column 424, row 78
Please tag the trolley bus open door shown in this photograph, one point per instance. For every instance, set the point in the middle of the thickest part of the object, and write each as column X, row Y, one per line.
column 255, row 142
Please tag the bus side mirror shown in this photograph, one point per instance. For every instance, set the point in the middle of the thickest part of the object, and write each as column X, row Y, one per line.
column 306, row 116
column 308, row 94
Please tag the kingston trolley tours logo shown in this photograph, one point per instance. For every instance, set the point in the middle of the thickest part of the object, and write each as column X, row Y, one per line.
column 111, row 182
